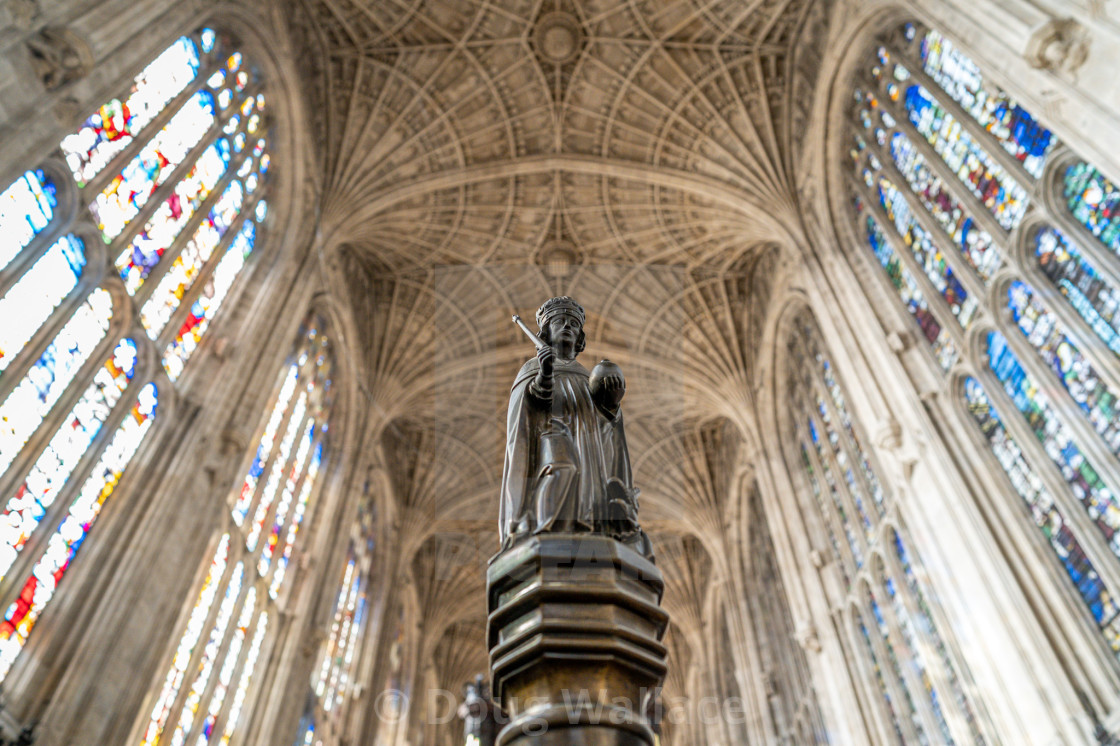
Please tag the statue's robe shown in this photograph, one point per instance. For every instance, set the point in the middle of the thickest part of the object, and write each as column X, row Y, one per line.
column 559, row 455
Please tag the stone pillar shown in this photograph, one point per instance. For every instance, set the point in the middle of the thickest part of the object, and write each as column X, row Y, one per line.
column 574, row 633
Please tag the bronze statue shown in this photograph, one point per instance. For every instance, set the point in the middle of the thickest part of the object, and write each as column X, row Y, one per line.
column 567, row 468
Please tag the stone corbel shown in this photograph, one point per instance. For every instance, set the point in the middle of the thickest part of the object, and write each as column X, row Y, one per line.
column 890, row 437
column 59, row 56
column 807, row 638
column 1060, row 45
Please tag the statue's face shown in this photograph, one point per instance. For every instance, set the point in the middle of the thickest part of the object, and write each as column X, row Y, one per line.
column 564, row 328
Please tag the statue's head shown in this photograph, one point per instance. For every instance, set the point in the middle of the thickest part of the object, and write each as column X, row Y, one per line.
column 561, row 308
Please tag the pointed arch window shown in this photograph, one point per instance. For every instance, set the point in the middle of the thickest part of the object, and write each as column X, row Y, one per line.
column 208, row 687
column 1031, row 233
column 158, row 196
column 920, row 692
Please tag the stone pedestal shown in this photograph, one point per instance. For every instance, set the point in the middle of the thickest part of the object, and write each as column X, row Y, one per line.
column 575, row 641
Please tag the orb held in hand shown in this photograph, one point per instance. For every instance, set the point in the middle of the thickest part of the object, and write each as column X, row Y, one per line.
column 603, row 389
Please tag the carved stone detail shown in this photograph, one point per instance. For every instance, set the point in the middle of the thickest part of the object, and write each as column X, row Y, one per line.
column 1062, row 45
column 59, row 56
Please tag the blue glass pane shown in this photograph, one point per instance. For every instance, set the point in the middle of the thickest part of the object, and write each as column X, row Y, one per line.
column 1091, row 295
column 1043, row 510
column 26, row 207
column 986, row 179
column 1048, row 335
column 1095, row 201
column 933, row 262
column 993, row 108
column 908, row 290
column 1083, row 480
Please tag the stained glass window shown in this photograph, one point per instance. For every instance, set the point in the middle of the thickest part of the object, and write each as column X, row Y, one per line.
column 937, row 143
column 30, row 302
column 173, row 172
column 1090, row 294
column 1095, row 201
column 111, row 129
column 960, row 77
column 207, row 687
column 334, row 677
column 909, row 291
column 26, row 208
column 1083, row 480
column 1052, row 341
column 902, row 643
column 1045, row 513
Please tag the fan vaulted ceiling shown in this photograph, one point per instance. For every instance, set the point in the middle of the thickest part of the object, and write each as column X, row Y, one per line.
column 474, row 157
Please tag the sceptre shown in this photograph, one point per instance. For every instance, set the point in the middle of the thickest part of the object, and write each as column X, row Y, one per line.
column 537, row 341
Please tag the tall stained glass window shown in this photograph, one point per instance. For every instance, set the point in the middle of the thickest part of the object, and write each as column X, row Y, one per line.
column 167, row 179
column 919, row 687
column 208, row 687
column 953, row 181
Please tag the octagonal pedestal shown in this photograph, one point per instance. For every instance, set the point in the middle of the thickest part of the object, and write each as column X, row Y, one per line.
column 575, row 641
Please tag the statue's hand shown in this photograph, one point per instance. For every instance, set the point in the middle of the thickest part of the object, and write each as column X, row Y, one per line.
column 546, row 356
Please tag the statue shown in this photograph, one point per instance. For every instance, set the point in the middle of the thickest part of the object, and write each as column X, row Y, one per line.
column 566, row 466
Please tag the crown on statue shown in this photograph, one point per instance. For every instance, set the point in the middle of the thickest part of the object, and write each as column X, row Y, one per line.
column 555, row 306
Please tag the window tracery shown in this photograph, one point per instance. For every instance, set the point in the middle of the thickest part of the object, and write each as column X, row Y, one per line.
column 1030, row 232
column 919, row 694
column 208, row 685
column 78, row 396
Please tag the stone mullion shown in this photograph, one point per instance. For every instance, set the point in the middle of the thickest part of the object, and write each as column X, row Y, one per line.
column 1103, row 260
column 255, row 704
column 930, row 293
column 121, row 243
column 1102, row 359
column 1089, row 536
column 935, row 664
column 161, row 193
column 894, row 680
column 167, row 336
column 964, row 271
column 208, row 65
column 297, row 478
column 855, row 456
column 911, row 680
column 247, row 581
column 235, row 555
column 1067, row 411
column 832, row 517
column 65, row 215
column 274, row 453
column 951, row 106
column 242, row 660
column 872, row 686
column 297, row 548
column 865, row 533
column 53, row 420
column 55, row 514
column 949, row 179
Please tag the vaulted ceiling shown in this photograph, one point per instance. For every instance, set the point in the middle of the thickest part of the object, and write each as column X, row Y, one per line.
column 474, row 157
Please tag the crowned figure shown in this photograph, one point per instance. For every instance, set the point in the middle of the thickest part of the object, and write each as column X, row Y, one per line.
column 566, row 465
